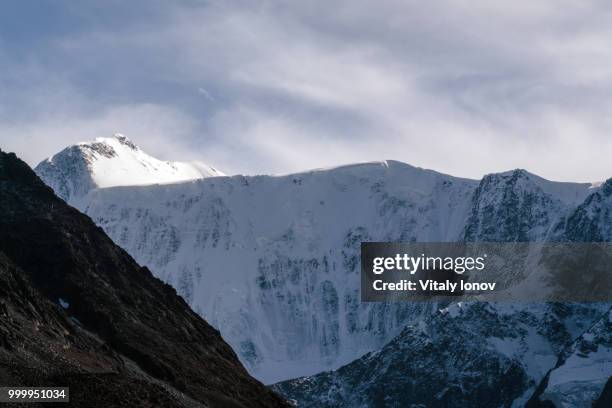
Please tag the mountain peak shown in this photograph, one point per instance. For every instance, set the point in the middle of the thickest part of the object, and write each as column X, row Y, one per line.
column 515, row 173
column 124, row 140
column 110, row 162
column 570, row 192
column 606, row 187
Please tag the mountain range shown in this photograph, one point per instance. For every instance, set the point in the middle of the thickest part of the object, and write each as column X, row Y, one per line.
column 272, row 262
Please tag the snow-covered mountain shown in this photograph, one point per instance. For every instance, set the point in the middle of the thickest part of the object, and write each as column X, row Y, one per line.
column 518, row 206
column 492, row 354
column 112, row 161
column 273, row 262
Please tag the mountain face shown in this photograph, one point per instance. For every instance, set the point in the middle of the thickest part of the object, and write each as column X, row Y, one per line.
column 517, row 206
column 77, row 310
column 108, row 162
column 273, row 263
column 492, row 354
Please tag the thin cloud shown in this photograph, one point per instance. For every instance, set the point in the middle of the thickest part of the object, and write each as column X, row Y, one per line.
column 464, row 87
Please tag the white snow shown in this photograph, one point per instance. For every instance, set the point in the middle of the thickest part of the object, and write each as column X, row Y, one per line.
column 597, row 367
column 273, row 262
column 569, row 192
column 110, row 162
column 63, row 303
column 131, row 166
column 581, row 377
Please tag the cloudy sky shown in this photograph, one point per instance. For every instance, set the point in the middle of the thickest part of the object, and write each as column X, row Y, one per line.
column 465, row 87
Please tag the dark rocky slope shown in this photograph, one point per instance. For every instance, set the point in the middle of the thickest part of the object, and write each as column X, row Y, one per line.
column 468, row 355
column 76, row 310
